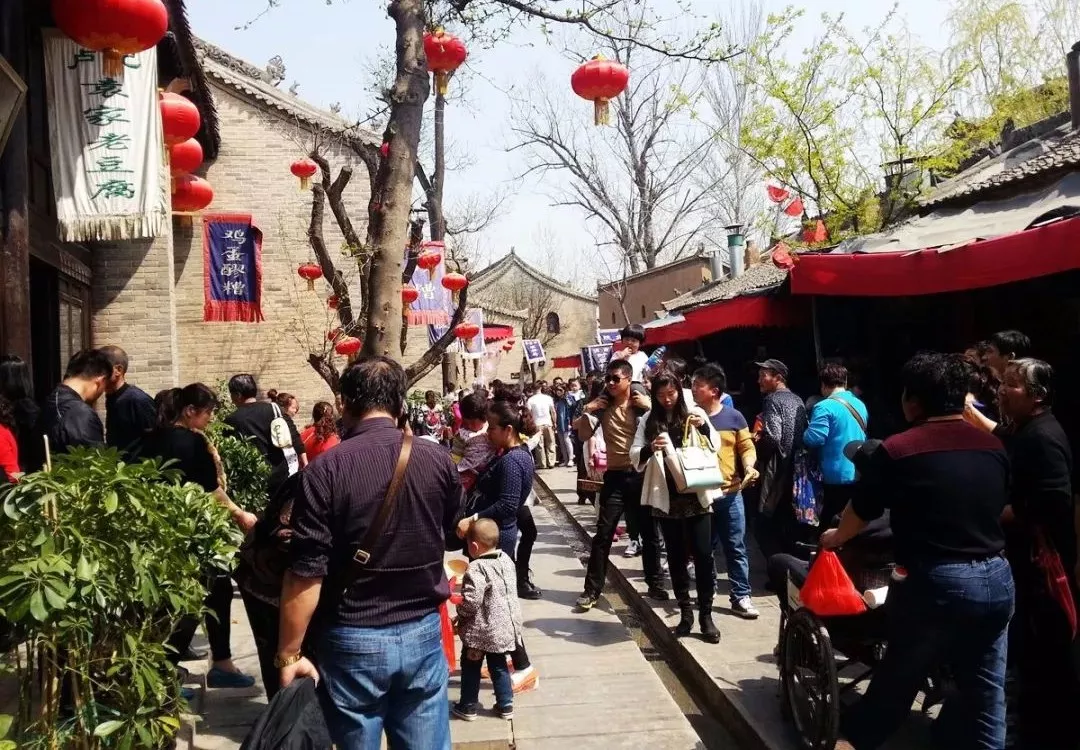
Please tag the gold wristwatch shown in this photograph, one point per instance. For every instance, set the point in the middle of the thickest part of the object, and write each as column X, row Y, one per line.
column 280, row 662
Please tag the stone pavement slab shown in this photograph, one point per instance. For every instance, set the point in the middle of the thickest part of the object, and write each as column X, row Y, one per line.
column 596, row 688
column 742, row 665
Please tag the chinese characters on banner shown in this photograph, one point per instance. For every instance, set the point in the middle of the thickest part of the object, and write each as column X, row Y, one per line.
column 433, row 307
column 534, row 351
column 595, row 357
column 607, row 336
column 105, row 135
column 232, row 264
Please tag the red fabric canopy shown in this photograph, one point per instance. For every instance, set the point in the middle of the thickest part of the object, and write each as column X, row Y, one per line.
column 567, row 363
column 741, row 312
column 1042, row 251
column 495, row 332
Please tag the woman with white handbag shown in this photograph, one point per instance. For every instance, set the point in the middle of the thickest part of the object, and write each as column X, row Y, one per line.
column 682, row 477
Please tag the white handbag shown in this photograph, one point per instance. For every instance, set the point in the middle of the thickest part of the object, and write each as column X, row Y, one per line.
column 695, row 466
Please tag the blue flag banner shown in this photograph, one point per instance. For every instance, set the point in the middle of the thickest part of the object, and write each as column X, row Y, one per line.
column 607, row 336
column 232, row 265
column 534, row 351
column 434, row 306
column 595, row 357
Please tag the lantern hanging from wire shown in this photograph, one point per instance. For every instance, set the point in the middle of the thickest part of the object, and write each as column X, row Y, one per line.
column 191, row 194
column 455, row 282
column 348, row 346
column 445, row 54
column 600, row 81
column 431, row 255
column 305, row 169
column 180, row 118
column 409, row 294
column 309, row 272
column 466, row 331
column 185, row 157
column 116, row 28
column 333, row 334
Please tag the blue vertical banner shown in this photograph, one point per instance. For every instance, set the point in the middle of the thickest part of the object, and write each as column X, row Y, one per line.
column 607, row 336
column 534, row 351
column 434, row 306
column 595, row 357
column 232, row 268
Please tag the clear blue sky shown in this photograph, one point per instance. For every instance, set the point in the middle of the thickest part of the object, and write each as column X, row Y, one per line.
column 326, row 48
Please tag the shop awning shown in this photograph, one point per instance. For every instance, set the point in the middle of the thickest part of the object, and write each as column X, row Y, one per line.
column 571, row 362
column 495, row 332
column 759, row 311
column 1042, row 251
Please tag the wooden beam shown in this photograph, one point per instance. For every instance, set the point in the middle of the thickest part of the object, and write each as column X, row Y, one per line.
column 14, row 187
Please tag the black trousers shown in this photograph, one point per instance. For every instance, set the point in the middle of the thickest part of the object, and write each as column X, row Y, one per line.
column 835, row 498
column 695, row 534
column 582, row 471
column 218, row 624
column 264, row 619
column 621, row 491
column 527, row 526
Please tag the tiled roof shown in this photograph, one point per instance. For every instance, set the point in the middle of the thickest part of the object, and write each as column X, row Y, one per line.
column 261, row 85
column 756, row 278
column 493, row 272
column 1056, row 156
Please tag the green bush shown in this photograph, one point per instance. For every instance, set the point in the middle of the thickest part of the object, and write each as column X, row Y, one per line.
column 98, row 562
column 246, row 471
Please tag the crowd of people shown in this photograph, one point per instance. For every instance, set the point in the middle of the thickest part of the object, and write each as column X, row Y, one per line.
column 974, row 503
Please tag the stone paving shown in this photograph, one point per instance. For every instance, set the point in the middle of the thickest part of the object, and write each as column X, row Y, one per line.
column 742, row 665
column 596, row 688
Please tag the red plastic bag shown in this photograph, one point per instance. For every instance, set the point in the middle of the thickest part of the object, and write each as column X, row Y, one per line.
column 828, row 591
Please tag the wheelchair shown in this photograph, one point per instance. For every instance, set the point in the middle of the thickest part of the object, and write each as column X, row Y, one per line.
column 823, row 660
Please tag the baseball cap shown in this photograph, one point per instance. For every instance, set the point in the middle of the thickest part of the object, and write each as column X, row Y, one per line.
column 860, row 451
column 775, row 365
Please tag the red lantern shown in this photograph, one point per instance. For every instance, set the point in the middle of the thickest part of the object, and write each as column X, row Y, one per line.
column 334, row 334
column 430, row 255
column 185, row 157
column 445, row 54
column 783, row 258
column 409, row 294
column 180, row 118
column 191, row 194
column 466, row 331
column 304, row 169
column 309, row 272
column 348, row 346
column 384, row 149
column 600, row 81
column 113, row 27
column 455, row 282
column 507, row 346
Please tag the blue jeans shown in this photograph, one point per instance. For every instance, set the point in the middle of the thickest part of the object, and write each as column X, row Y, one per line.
column 393, row 677
column 500, row 678
column 729, row 531
column 954, row 614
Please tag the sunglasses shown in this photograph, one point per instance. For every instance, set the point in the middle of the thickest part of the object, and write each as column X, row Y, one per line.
column 614, row 379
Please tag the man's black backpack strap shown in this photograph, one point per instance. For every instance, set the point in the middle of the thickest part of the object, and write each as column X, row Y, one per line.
column 362, row 556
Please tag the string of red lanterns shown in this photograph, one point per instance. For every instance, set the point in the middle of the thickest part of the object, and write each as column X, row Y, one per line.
column 180, row 119
column 191, row 194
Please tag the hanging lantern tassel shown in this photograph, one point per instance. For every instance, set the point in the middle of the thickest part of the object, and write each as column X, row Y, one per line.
column 601, row 112
column 442, row 82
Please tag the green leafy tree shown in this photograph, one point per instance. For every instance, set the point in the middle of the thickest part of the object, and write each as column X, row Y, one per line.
column 99, row 560
column 246, row 472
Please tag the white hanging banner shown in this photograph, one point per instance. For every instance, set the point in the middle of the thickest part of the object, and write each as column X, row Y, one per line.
column 105, row 136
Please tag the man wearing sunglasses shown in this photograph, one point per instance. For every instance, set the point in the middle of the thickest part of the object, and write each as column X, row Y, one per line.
column 616, row 412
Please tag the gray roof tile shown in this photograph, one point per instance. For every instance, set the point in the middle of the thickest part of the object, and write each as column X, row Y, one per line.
column 756, row 278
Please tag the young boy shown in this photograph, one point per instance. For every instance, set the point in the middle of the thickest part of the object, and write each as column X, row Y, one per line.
column 489, row 621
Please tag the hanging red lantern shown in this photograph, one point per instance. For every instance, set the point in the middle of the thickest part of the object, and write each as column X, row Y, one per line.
column 113, row 27
column 445, row 54
column 185, row 157
column 600, row 81
column 332, row 302
column 430, row 256
column 384, row 149
column 348, row 346
column 409, row 294
column 795, row 208
column 455, row 282
column 333, row 334
column 305, row 169
column 466, row 331
column 180, row 118
column 191, row 194
column 777, row 194
column 309, row 272
column 783, row 258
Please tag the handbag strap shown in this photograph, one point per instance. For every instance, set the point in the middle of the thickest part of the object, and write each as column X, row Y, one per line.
column 690, row 429
column 851, row 409
column 362, row 555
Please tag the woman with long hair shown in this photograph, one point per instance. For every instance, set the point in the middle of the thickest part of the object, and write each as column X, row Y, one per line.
column 9, row 446
column 503, row 489
column 321, row 435
column 182, row 441
column 18, row 388
column 685, row 517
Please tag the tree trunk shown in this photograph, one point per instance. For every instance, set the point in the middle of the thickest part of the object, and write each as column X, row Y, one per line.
column 394, row 182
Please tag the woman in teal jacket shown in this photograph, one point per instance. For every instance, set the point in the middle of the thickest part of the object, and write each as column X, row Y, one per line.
column 836, row 420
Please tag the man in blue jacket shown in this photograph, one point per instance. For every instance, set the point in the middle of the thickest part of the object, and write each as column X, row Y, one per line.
column 836, row 420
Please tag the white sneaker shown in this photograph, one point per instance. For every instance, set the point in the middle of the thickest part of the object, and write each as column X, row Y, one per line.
column 632, row 549
column 745, row 609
